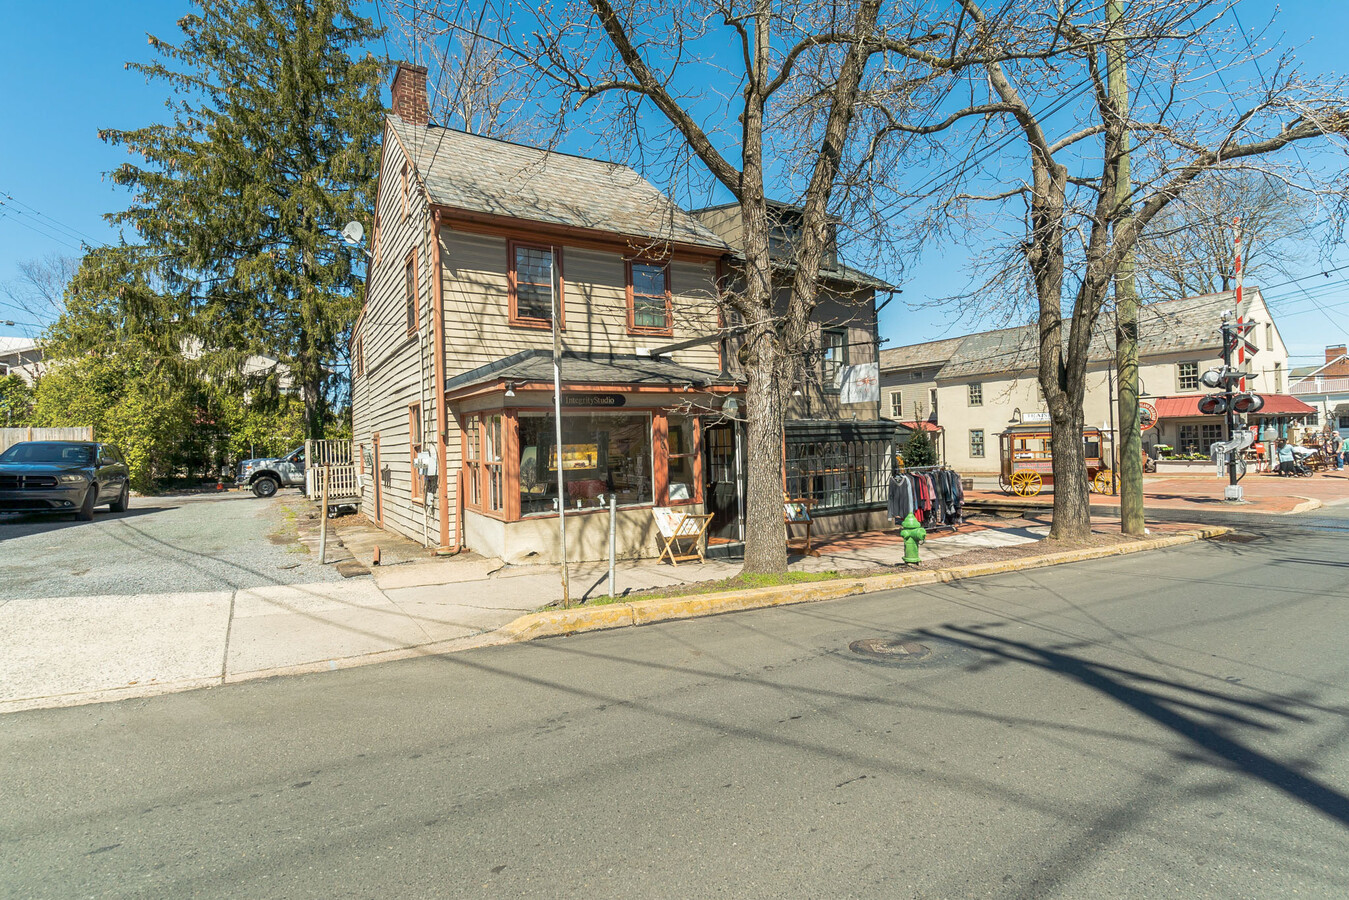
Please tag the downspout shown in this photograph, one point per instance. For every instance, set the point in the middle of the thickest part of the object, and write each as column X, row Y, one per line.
column 438, row 370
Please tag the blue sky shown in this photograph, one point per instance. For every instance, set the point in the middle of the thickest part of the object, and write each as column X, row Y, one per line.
column 64, row 79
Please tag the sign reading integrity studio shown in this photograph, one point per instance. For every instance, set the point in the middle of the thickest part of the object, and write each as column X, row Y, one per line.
column 594, row 400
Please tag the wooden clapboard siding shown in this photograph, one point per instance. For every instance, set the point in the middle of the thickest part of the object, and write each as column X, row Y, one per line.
column 398, row 366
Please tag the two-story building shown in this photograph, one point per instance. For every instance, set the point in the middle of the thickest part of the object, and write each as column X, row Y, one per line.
column 980, row 385
column 1326, row 388
column 484, row 250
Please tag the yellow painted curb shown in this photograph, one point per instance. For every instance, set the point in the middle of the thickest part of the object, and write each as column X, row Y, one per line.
column 646, row 612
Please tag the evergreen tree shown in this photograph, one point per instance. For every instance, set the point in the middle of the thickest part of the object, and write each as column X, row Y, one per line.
column 272, row 147
column 918, row 450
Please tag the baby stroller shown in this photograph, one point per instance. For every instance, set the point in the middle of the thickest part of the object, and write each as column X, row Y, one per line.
column 1297, row 467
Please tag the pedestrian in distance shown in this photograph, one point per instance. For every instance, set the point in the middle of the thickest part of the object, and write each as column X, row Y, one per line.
column 1336, row 445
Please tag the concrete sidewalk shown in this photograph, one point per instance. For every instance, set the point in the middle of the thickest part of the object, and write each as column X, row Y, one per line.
column 58, row 651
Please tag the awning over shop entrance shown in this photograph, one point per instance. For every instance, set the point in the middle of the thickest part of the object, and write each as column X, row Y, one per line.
column 1187, row 406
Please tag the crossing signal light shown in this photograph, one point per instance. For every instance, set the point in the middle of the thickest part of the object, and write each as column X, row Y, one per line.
column 1248, row 403
column 1213, row 405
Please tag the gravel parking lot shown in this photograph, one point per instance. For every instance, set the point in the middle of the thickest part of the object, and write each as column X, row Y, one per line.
column 203, row 542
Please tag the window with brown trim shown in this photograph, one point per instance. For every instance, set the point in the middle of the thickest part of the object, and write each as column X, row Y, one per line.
column 417, row 480
column 650, row 305
column 492, row 456
column 472, row 462
column 410, row 290
column 534, row 277
column 359, row 357
column 682, row 467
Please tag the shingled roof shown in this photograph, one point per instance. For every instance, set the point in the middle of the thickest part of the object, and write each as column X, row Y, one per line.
column 1173, row 326
column 485, row 175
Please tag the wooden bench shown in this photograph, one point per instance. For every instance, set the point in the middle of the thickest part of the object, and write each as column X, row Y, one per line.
column 674, row 526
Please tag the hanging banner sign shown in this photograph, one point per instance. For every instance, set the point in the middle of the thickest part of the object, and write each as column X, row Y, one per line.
column 594, row 400
column 1147, row 416
column 859, row 384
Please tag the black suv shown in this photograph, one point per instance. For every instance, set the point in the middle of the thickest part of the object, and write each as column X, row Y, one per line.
column 63, row 476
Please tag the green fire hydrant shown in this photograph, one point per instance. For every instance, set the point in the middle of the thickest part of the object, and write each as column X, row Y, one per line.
column 913, row 534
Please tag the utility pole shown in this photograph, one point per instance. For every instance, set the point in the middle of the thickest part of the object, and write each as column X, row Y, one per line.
column 1126, row 294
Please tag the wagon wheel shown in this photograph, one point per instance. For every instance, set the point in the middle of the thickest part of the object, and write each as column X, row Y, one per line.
column 1005, row 483
column 1026, row 484
column 1105, row 482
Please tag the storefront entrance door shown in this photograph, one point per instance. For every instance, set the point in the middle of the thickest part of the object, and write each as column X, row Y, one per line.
column 721, row 469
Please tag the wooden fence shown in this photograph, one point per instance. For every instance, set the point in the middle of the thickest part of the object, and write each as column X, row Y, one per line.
column 333, row 457
column 11, row 436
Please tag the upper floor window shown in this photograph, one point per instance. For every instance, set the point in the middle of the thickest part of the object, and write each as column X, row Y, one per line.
column 1269, row 336
column 976, row 393
column 1187, row 376
column 1278, row 378
column 410, row 290
column 896, row 405
column 916, row 374
column 534, row 281
column 358, row 357
column 650, row 306
column 833, row 356
column 932, row 396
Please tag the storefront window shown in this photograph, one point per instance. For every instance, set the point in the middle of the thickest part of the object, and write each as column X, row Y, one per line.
column 681, row 479
column 602, row 455
column 472, row 471
column 491, row 460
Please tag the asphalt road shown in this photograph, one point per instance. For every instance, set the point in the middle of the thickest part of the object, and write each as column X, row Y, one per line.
column 202, row 542
column 1173, row 723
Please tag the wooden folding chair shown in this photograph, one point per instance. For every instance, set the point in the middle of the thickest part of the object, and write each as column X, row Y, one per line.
column 673, row 526
column 796, row 511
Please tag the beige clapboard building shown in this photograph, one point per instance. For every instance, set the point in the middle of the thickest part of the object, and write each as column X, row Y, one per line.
column 475, row 243
column 976, row 387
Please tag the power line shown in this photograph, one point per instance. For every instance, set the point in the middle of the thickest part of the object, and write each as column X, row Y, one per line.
column 10, row 200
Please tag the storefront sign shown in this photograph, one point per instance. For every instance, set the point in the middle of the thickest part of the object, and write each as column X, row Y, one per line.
column 594, row 400
column 1147, row 416
column 1035, row 418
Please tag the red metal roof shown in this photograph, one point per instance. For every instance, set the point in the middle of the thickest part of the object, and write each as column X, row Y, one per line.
column 924, row 426
column 1186, row 405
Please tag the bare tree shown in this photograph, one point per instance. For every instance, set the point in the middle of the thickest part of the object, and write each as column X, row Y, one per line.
column 1039, row 145
column 38, row 294
column 1188, row 248
column 473, row 84
column 756, row 100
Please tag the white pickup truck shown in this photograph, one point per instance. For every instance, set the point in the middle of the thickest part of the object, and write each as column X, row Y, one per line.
column 267, row 476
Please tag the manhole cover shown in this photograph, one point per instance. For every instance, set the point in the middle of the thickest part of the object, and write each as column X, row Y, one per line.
column 891, row 649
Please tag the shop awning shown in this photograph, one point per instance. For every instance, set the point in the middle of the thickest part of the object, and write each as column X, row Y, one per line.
column 1187, row 406
column 536, row 366
column 920, row 426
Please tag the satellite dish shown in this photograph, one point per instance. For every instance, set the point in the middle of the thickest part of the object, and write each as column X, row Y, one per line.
column 353, row 233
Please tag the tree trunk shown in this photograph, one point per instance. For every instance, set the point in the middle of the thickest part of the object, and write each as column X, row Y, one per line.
column 765, row 531
column 1072, row 501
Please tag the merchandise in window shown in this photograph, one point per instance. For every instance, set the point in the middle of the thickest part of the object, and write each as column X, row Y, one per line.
column 603, row 455
column 977, row 443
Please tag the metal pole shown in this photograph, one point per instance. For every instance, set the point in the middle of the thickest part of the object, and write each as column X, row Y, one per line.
column 1126, row 295
column 557, row 421
column 613, row 538
column 1229, row 332
column 1114, row 435
column 323, row 522
column 1241, row 312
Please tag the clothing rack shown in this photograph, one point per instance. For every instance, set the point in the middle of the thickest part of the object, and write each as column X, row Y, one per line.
column 899, row 471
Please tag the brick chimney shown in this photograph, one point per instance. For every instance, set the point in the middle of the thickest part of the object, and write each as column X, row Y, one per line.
column 409, row 94
column 1334, row 353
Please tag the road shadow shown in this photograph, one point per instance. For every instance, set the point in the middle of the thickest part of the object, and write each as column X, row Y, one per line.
column 22, row 524
column 1179, row 708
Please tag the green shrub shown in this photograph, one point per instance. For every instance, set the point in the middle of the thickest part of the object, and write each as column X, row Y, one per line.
column 918, row 451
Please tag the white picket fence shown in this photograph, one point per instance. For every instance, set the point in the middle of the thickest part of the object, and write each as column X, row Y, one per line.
column 12, row 436
column 333, row 459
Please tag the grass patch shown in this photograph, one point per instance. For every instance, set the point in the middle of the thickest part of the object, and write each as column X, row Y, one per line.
column 734, row 583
